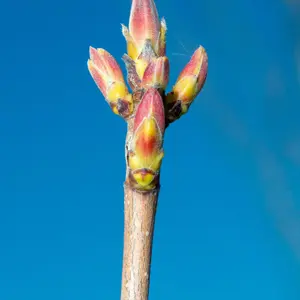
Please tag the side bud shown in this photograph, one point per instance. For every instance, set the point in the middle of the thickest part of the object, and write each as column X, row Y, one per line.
column 145, row 153
column 157, row 73
column 109, row 78
column 188, row 85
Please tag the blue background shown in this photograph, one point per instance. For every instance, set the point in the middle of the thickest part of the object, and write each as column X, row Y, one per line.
column 228, row 223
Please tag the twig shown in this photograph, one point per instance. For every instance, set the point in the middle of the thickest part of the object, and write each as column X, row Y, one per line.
column 148, row 111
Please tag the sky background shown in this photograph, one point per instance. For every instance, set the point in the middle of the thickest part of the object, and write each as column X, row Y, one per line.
column 228, row 221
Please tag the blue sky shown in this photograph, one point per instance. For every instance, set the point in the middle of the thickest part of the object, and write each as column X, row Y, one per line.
column 228, row 221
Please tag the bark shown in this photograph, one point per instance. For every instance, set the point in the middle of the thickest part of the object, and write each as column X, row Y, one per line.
column 138, row 236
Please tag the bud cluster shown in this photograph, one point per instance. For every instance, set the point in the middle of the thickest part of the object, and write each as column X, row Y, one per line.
column 150, row 108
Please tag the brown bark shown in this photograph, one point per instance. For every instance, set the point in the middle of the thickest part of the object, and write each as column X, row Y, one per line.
column 138, row 235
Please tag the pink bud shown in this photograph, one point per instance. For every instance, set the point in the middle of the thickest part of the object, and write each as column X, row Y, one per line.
column 145, row 151
column 196, row 68
column 188, row 85
column 144, row 23
column 157, row 73
column 151, row 106
column 104, row 69
column 109, row 78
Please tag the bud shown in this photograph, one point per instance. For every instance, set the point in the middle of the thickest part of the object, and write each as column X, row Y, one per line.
column 188, row 85
column 151, row 106
column 144, row 25
column 144, row 22
column 157, row 73
column 109, row 78
column 145, row 153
